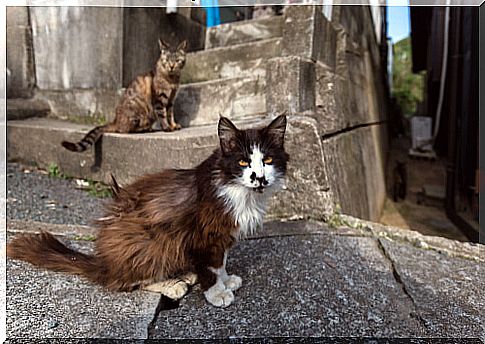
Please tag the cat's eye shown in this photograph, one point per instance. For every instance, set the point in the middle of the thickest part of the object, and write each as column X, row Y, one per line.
column 243, row 163
column 268, row 160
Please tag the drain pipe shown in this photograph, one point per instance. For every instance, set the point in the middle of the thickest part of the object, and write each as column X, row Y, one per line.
column 444, row 66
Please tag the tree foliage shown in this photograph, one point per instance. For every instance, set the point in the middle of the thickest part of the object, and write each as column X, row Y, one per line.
column 407, row 87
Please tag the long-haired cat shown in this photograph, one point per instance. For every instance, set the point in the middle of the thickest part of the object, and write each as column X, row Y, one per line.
column 164, row 229
column 148, row 99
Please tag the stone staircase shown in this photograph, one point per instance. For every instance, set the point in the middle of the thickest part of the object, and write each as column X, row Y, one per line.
column 229, row 77
column 249, row 72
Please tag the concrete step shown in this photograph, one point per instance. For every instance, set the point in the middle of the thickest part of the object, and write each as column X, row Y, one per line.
column 230, row 62
column 19, row 108
column 37, row 141
column 237, row 98
column 243, row 32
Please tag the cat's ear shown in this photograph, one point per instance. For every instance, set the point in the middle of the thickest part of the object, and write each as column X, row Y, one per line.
column 227, row 134
column 182, row 46
column 276, row 129
column 163, row 45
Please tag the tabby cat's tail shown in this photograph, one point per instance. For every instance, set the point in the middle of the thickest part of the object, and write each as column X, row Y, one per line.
column 89, row 139
column 45, row 251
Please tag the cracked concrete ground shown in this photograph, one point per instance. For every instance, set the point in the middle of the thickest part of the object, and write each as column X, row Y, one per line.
column 300, row 279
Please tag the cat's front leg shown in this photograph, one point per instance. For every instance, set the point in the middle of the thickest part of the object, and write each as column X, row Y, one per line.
column 213, row 278
column 232, row 282
column 161, row 114
column 171, row 118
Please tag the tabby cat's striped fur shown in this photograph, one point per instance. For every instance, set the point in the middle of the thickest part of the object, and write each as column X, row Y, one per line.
column 147, row 100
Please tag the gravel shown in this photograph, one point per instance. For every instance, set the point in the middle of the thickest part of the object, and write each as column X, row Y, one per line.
column 33, row 195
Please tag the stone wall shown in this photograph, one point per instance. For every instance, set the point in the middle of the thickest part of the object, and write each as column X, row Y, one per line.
column 331, row 71
column 20, row 58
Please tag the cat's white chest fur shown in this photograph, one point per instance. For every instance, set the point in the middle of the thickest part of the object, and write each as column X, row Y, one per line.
column 247, row 207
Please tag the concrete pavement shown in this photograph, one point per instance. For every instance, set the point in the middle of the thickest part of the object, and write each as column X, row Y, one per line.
column 300, row 279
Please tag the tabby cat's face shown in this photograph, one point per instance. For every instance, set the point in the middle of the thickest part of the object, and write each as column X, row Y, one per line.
column 171, row 60
column 253, row 158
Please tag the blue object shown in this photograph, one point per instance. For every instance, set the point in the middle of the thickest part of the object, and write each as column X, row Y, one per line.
column 213, row 17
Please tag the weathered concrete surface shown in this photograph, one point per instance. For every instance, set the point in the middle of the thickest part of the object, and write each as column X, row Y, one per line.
column 243, row 32
column 340, row 103
column 229, row 62
column 20, row 58
column 204, row 102
column 71, row 53
column 299, row 279
column 354, row 163
column 306, row 193
column 308, row 34
column 19, row 108
column 300, row 286
column 448, row 292
column 291, row 85
column 129, row 156
column 44, row 304
column 89, row 104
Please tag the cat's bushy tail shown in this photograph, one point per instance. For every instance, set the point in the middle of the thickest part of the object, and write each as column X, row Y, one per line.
column 89, row 139
column 44, row 250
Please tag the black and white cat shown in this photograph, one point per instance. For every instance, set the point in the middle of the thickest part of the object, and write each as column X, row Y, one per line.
column 166, row 230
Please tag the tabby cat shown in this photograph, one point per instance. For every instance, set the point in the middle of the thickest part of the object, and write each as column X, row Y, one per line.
column 167, row 229
column 147, row 100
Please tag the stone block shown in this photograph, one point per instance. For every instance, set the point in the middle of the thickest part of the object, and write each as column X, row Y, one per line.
column 26, row 108
column 81, row 105
column 354, row 163
column 77, row 47
column 344, row 163
column 127, row 156
column 203, row 103
column 330, row 114
column 290, row 85
column 307, row 192
column 374, row 154
column 352, row 20
column 230, row 62
column 308, row 34
column 298, row 31
column 324, row 40
column 20, row 58
column 341, row 103
column 243, row 32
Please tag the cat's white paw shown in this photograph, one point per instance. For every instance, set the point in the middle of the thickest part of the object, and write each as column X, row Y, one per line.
column 177, row 291
column 170, row 288
column 218, row 296
column 233, row 282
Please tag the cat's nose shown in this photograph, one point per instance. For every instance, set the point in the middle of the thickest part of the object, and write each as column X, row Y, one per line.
column 262, row 181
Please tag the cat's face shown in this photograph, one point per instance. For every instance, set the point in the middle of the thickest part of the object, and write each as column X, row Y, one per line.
column 171, row 60
column 253, row 158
